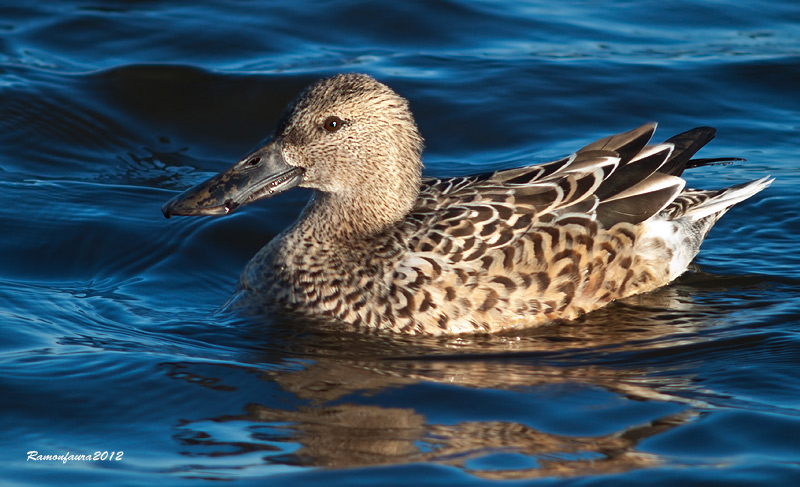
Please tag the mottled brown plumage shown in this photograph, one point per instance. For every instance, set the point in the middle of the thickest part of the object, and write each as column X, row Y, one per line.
column 380, row 248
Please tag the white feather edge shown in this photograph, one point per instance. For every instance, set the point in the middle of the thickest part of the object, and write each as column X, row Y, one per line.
column 728, row 198
column 656, row 182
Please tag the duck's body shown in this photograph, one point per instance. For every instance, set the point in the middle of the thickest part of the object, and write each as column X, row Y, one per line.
column 379, row 248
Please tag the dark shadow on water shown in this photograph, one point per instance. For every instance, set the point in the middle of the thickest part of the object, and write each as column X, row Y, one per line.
column 344, row 395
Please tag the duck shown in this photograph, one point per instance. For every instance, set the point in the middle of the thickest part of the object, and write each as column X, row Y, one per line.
column 380, row 248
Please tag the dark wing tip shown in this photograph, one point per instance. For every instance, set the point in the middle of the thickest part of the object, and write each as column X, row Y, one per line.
column 686, row 145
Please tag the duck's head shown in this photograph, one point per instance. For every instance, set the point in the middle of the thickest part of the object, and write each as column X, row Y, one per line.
column 348, row 137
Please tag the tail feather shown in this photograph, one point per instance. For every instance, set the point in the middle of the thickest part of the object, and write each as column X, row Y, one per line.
column 713, row 161
column 721, row 201
column 683, row 225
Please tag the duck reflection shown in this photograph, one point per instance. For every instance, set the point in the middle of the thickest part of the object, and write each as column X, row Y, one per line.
column 352, row 435
column 338, row 415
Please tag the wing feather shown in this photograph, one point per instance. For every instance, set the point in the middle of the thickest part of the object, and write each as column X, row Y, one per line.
column 615, row 179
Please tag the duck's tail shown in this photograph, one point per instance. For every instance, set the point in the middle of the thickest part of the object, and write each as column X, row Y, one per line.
column 695, row 205
column 674, row 236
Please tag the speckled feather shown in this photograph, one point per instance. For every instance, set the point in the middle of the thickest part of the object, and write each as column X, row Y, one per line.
column 379, row 248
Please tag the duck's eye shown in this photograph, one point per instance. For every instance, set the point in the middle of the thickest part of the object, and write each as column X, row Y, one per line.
column 332, row 124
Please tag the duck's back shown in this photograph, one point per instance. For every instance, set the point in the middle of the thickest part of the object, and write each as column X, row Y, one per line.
column 526, row 246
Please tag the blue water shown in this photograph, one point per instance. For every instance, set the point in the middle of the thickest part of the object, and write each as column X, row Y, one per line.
column 110, row 339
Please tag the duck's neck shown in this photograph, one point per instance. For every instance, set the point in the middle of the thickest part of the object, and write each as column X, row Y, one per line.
column 344, row 218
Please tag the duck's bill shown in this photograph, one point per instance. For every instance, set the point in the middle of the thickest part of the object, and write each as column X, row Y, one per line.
column 262, row 174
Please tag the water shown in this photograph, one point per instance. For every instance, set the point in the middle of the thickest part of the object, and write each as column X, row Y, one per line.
column 111, row 341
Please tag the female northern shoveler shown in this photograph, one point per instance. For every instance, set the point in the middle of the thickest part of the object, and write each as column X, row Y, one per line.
column 380, row 248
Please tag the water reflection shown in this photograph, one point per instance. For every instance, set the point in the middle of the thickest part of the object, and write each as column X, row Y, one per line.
column 340, row 405
column 352, row 435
